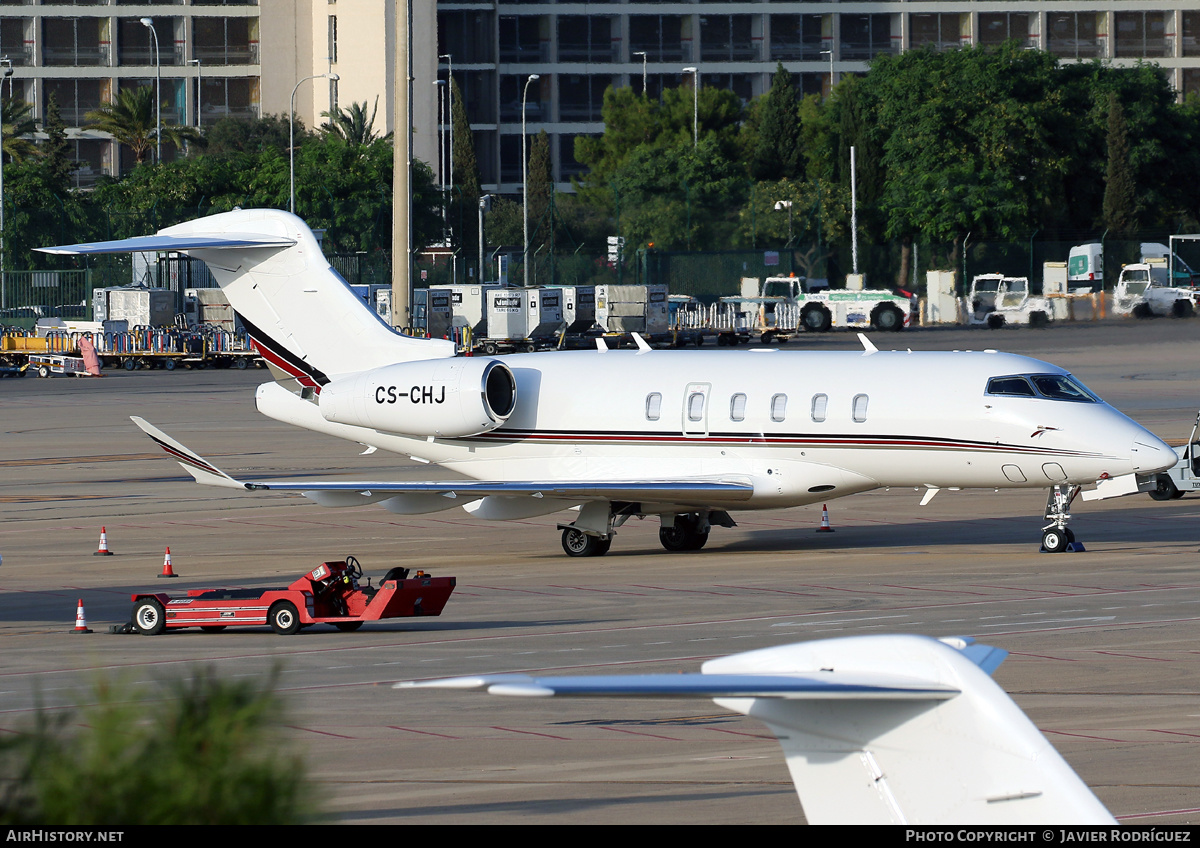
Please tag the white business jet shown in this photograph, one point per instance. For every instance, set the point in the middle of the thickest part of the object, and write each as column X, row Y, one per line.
column 685, row 436
column 874, row 729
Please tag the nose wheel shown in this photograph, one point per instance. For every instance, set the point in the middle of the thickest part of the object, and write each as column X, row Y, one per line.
column 1056, row 536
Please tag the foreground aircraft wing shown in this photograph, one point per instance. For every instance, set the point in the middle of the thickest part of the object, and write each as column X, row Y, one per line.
column 875, row 729
column 358, row 492
column 144, row 244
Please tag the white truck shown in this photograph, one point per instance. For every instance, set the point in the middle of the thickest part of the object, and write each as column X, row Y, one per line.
column 1144, row 290
column 996, row 300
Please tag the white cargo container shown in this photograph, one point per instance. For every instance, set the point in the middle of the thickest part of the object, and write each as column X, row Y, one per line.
column 522, row 319
column 455, row 307
column 209, row 307
column 633, row 309
column 136, row 306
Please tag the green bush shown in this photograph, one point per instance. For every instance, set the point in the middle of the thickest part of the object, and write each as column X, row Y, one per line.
column 198, row 751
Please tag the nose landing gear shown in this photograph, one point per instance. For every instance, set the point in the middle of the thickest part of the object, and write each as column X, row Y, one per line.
column 1056, row 536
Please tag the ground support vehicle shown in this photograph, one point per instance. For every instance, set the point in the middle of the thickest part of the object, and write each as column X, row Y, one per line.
column 57, row 365
column 1183, row 478
column 799, row 303
column 997, row 300
column 1142, row 291
column 329, row 594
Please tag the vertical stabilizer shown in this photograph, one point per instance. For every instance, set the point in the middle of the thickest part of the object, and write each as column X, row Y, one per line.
column 301, row 314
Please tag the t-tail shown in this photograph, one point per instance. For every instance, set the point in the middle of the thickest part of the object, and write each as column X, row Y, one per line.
column 301, row 314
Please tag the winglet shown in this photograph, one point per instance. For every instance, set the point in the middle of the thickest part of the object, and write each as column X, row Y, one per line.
column 868, row 347
column 200, row 468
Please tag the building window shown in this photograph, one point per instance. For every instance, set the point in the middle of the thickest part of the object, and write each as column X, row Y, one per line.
column 1074, row 35
column 581, row 97
column 799, row 37
column 866, row 36
column 660, row 37
column 941, row 31
column 1143, row 35
column 995, row 28
column 78, row 41
column 332, row 46
column 524, row 38
column 727, row 38
column 584, row 38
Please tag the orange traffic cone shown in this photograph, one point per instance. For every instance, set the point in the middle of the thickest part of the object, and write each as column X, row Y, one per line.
column 824, row 528
column 167, row 570
column 80, row 620
column 104, row 551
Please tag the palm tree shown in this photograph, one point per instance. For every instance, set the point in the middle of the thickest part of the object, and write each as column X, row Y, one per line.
column 130, row 120
column 352, row 124
column 16, row 117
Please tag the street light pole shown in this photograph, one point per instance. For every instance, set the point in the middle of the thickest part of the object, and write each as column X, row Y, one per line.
column 148, row 23
column 786, row 204
column 485, row 205
column 450, row 114
column 525, row 184
column 292, row 138
column 441, row 90
column 695, row 72
column 8, row 72
column 199, row 88
column 642, row 53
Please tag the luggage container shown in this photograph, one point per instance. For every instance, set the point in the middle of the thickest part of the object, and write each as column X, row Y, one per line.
column 522, row 319
column 451, row 307
column 139, row 307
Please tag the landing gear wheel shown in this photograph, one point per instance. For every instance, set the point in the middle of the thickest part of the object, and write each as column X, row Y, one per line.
column 1164, row 488
column 283, row 618
column 1055, row 541
column 149, row 618
column 347, row 626
column 682, row 536
column 576, row 543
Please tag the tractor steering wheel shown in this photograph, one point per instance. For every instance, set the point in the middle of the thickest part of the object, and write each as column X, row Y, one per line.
column 353, row 569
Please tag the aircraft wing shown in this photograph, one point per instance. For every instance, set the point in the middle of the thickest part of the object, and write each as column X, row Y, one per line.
column 358, row 492
column 889, row 729
column 144, row 244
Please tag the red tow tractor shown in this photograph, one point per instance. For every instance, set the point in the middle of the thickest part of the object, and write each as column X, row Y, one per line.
column 329, row 594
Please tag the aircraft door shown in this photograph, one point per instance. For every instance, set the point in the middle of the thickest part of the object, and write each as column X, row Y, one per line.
column 695, row 409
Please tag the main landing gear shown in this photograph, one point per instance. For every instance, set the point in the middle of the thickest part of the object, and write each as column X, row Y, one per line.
column 1056, row 536
column 591, row 534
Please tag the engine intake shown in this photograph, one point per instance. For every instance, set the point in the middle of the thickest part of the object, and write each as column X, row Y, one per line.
column 433, row 397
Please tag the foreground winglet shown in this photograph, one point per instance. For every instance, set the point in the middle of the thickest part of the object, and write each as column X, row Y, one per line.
column 874, row 729
column 199, row 467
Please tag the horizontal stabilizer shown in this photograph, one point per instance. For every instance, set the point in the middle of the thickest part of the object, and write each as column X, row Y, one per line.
column 143, row 244
column 874, row 729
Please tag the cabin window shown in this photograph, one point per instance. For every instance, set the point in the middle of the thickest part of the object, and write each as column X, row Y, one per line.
column 653, row 406
column 819, row 404
column 859, row 409
column 695, row 406
column 737, row 407
column 778, row 407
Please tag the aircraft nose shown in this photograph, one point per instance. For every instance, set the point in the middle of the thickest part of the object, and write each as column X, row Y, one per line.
column 1151, row 454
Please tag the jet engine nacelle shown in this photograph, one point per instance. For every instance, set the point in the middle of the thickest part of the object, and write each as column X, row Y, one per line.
column 433, row 397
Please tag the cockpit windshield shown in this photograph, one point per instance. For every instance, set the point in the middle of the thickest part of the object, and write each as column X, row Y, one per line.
column 1047, row 386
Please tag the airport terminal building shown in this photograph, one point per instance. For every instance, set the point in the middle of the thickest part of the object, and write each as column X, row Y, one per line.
column 249, row 57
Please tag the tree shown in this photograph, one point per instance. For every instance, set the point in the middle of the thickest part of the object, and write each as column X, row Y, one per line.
column 352, row 125
column 56, row 149
column 540, row 190
column 131, row 120
column 1120, row 193
column 230, row 135
column 777, row 154
column 16, row 118
column 464, row 203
